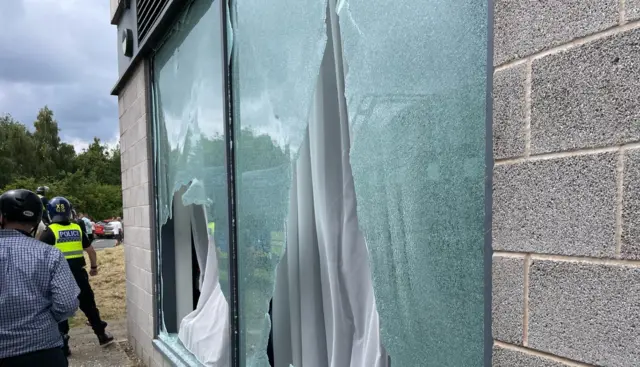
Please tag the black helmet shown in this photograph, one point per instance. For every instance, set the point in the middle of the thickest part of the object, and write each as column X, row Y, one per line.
column 22, row 206
column 42, row 190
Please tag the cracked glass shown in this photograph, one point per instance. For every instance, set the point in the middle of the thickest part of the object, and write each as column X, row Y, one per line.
column 189, row 120
column 416, row 100
column 278, row 48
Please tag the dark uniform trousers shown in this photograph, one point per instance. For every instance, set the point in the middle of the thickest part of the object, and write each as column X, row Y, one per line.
column 53, row 357
column 87, row 303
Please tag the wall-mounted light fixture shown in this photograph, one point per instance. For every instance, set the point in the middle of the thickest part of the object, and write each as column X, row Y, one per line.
column 127, row 42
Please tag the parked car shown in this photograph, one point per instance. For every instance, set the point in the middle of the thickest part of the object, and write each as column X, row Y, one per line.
column 108, row 230
column 98, row 229
column 103, row 229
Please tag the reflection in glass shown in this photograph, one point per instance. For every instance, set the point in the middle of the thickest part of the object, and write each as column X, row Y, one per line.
column 278, row 48
column 416, row 103
column 188, row 98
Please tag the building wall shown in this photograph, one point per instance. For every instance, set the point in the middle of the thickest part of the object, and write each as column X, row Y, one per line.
column 136, row 164
column 566, row 211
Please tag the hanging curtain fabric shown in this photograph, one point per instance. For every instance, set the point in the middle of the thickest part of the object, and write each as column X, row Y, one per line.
column 324, row 311
column 205, row 331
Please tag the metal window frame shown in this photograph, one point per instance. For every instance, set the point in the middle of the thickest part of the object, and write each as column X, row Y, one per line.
column 488, row 192
column 235, row 333
column 164, row 271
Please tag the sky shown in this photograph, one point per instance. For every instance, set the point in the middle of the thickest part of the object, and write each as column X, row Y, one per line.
column 60, row 53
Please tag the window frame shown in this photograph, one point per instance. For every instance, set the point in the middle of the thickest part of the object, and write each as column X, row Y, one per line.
column 166, row 285
column 164, row 272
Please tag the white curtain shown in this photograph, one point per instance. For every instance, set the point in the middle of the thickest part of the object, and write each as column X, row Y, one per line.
column 205, row 331
column 323, row 307
column 324, row 311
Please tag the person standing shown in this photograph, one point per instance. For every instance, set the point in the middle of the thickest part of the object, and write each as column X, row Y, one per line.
column 42, row 194
column 78, row 219
column 87, row 225
column 68, row 237
column 37, row 289
column 117, row 230
column 41, row 228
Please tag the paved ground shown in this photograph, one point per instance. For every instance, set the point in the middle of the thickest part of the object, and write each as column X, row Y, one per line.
column 100, row 244
column 86, row 352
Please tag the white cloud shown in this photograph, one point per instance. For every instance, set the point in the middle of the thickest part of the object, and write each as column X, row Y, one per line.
column 81, row 145
column 60, row 53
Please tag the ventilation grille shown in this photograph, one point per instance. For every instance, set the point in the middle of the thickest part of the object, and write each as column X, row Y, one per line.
column 148, row 12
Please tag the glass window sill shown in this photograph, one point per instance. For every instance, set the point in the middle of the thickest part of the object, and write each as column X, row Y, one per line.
column 176, row 354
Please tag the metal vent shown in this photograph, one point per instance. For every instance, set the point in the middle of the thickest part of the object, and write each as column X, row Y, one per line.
column 147, row 12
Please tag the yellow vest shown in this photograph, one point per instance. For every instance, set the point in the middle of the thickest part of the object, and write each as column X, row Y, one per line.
column 212, row 228
column 68, row 239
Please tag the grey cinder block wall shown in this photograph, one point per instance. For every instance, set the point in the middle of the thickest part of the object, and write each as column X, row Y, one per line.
column 136, row 165
column 566, row 270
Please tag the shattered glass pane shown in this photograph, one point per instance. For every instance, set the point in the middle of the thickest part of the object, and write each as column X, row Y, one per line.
column 278, row 48
column 188, row 99
column 176, row 346
column 416, row 95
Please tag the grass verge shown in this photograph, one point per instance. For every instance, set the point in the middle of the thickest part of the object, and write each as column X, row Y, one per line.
column 108, row 286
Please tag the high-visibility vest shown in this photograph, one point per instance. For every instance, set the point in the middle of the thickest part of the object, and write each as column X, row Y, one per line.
column 68, row 239
column 212, row 228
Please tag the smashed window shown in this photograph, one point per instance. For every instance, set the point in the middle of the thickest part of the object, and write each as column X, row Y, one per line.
column 278, row 47
column 409, row 146
column 192, row 203
column 416, row 95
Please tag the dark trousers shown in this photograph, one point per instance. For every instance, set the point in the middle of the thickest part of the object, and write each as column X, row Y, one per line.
column 47, row 357
column 87, row 303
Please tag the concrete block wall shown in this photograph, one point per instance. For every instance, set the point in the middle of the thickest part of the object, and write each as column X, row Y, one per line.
column 566, row 216
column 136, row 163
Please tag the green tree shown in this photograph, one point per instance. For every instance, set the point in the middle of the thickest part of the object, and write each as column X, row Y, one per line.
column 55, row 158
column 100, row 163
column 90, row 180
column 114, row 170
column 17, row 151
column 259, row 152
column 47, row 142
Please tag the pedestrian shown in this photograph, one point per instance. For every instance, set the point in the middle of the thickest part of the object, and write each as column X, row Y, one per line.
column 83, row 225
column 42, row 194
column 37, row 289
column 87, row 225
column 68, row 237
column 41, row 228
column 118, row 231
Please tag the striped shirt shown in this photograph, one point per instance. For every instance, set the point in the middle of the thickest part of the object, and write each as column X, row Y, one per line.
column 37, row 291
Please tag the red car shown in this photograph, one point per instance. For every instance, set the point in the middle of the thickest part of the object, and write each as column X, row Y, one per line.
column 100, row 231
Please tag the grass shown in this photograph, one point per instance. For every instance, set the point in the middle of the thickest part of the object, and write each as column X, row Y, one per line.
column 108, row 286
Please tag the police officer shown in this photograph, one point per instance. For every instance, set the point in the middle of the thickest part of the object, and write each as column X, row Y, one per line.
column 68, row 237
column 42, row 193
